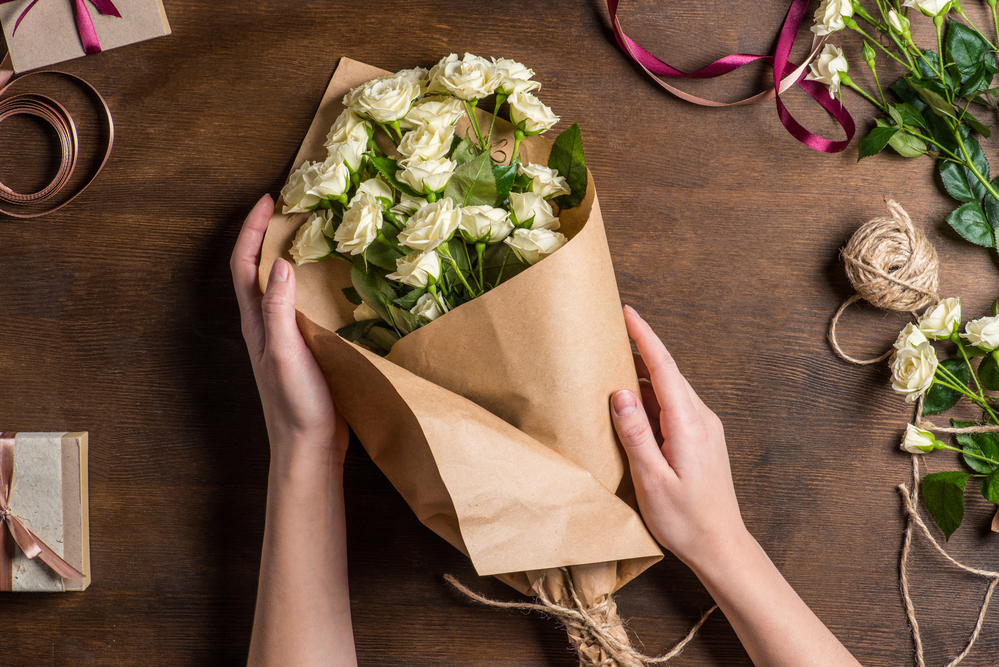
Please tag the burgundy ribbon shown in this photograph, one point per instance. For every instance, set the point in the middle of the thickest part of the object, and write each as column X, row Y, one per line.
column 84, row 24
column 782, row 67
column 28, row 541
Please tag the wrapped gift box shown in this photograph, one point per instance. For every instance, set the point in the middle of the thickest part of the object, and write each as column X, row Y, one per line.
column 49, row 34
column 48, row 494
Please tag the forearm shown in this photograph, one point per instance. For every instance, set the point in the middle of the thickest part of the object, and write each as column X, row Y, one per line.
column 303, row 607
column 775, row 626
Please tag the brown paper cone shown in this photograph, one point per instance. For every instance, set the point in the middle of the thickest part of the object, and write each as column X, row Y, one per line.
column 493, row 421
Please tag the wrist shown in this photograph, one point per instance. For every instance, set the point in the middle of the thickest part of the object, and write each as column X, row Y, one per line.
column 725, row 556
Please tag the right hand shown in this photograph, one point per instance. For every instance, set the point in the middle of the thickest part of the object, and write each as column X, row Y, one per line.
column 680, row 465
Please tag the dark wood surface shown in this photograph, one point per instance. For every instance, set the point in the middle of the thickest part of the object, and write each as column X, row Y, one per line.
column 117, row 317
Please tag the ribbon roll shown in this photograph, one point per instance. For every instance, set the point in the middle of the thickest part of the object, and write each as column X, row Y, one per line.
column 786, row 74
column 24, row 538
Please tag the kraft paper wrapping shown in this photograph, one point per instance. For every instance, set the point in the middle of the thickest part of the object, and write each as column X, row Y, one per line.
column 493, row 421
column 48, row 34
column 49, row 494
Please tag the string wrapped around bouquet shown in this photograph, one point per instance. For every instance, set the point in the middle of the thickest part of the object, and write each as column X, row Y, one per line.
column 891, row 265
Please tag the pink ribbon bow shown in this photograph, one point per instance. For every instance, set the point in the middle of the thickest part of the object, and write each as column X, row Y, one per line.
column 84, row 24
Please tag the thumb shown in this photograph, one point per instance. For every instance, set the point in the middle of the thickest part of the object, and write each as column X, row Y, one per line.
column 632, row 426
column 278, row 308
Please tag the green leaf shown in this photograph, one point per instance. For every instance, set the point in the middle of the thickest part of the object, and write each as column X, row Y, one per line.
column 960, row 183
column 388, row 167
column 466, row 151
column 982, row 444
column 988, row 372
column 356, row 331
column 352, row 296
column 970, row 222
column 939, row 397
column 910, row 115
column 977, row 156
column 925, row 70
column 907, row 145
column 974, row 81
column 907, row 93
column 409, row 299
column 966, row 48
column 977, row 126
column 939, row 129
column 990, row 488
column 383, row 255
column 505, row 175
column 895, row 114
column 372, row 287
column 875, row 142
column 382, row 338
column 937, row 103
column 943, row 493
column 473, row 183
column 992, row 205
column 568, row 159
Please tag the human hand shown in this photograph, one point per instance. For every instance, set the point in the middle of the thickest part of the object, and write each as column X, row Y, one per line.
column 302, row 421
column 676, row 448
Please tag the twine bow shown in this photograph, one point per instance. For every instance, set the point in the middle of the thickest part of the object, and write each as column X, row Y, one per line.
column 84, row 24
column 24, row 538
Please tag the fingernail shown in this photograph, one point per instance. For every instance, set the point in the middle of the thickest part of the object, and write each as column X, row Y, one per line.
column 631, row 310
column 624, row 403
column 266, row 196
column 281, row 269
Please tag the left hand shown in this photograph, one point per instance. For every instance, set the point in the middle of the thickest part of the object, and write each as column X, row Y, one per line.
column 302, row 421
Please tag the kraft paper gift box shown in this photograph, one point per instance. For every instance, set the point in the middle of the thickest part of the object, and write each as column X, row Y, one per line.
column 43, row 477
column 50, row 31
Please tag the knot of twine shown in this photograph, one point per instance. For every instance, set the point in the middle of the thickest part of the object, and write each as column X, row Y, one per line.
column 596, row 632
column 891, row 265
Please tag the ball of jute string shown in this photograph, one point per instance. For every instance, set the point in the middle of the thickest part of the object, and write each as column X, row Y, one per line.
column 595, row 632
column 892, row 266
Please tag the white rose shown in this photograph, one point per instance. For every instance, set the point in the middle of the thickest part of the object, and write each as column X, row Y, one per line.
column 295, row 192
column 912, row 370
column 407, row 205
column 351, row 152
column 918, row 442
column 929, row 7
column 545, row 182
column 529, row 114
column 434, row 112
column 527, row 205
column 983, row 332
column 514, row 77
column 428, row 307
column 360, row 225
column 427, row 142
column 375, row 187
column 910, row 336
column 365, row 312
column 827, row 68
column 415, row 269
column 435, row 85
column 327, row 179
column 426, row 176
column 899, row 24
column 470, row 78
column 349, row 127
column 533, row 245
column 417, row 75
column 941, row 320
column 383, row 100
column 485, row 223
column 310, row 244
column 431, row 225
column 829, row 16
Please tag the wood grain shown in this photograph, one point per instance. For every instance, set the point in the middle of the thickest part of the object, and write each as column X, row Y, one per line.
column 118, row 318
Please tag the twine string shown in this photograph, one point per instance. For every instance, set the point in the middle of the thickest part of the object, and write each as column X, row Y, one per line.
column 596, row 631
column 911, row 500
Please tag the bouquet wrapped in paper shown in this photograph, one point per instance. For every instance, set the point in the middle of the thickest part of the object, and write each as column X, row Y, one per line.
column 491, row 417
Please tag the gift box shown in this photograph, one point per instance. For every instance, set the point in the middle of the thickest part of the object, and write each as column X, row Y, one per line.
column 44, row 32
column 45, row 534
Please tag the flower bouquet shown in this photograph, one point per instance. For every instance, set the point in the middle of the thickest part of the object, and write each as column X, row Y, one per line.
column 938, row 385
column 486, row 405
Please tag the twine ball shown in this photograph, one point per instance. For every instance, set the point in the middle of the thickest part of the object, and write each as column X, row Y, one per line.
column 891, row 264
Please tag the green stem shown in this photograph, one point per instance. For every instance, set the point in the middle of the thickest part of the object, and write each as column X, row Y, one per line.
column 960, row 11
column 967, row 362
column 848, row 82
column 938, row 23
column 518, row 136
column 502, row 267
column 877, row 44
column 474, row 120
column 480, row 248
column 971, row 454
column 971, row 165
column 950, row 156
column 499, row 102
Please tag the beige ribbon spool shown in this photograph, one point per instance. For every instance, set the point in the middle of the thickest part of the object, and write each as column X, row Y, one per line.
column 893, row 266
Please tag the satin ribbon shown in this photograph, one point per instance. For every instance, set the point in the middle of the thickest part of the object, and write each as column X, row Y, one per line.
column 59, row 118
column 786, row 75
column 28, row 541
column 84, row 24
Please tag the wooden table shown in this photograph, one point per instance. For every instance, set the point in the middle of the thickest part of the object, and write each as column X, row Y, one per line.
column 118, row 317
